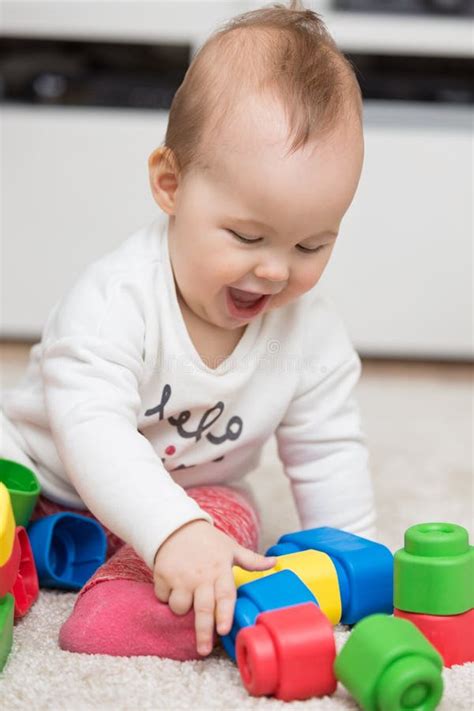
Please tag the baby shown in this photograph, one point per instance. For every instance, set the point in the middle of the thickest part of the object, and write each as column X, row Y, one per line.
column 172, row 360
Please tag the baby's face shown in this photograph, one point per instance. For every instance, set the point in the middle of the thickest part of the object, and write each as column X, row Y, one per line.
column 259, row 221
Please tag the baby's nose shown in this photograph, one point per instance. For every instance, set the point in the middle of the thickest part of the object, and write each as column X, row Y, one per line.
column 274, row 270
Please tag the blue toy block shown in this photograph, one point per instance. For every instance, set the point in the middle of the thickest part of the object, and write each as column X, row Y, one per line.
column 67, row 548
column 364, row 568
column 282, row 589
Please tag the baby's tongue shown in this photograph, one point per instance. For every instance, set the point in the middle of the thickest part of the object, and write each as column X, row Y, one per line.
column 244, row 296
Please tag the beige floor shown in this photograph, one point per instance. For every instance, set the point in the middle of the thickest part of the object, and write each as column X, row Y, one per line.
column 419, row 422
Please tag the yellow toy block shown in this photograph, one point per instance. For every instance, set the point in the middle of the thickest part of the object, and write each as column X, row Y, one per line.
column 7, row 525
column 315, row 569
column 242, row 576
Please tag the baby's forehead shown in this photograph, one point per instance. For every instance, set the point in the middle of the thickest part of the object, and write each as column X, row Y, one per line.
column 256, row 127
column 257, row 170
column 248, row 137
column 249, row 157
column 254, row 121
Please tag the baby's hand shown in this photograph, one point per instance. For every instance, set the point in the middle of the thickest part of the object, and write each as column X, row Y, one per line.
column 194, row 566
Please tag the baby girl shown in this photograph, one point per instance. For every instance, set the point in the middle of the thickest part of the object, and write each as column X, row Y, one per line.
column 169, row 363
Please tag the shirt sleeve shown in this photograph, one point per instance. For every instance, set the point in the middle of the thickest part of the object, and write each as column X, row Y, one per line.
column 92, row 367
column 320, row 441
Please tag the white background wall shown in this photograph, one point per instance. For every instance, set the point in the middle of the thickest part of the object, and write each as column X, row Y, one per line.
column 74, row 183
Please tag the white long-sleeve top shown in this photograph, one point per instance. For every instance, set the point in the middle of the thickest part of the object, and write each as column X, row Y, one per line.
column 120, row 413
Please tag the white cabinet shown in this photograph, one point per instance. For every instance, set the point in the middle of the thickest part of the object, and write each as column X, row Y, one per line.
column 402, row 269
column 74, row 185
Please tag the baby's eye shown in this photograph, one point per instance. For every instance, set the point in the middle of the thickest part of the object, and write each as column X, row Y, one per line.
column 311, row 251
column 244, row 239
column 257, row 239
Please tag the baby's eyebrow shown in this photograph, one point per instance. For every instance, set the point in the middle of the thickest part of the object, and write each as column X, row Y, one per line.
column 261, row 225
column 250, row 221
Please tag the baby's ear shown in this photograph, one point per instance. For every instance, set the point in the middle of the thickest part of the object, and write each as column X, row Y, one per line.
column 163, row 178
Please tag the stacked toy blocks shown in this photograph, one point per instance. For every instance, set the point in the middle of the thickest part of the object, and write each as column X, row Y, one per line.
column 434, row 588
column 270, row 592
column 351, row 577
column 364, row 569
column 19, row 586
column 282, row 635
column 59, row 551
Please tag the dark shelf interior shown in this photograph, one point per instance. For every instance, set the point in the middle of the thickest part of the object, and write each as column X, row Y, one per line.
column 146, row 76
column 78, row 73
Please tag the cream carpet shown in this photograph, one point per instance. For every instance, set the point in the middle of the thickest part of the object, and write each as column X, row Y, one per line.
column 418, row 420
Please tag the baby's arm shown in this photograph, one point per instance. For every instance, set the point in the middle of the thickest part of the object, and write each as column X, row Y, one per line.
column 320, row 442
column 93, row 366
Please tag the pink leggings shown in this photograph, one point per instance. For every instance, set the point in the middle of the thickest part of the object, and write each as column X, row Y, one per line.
column 231, row 509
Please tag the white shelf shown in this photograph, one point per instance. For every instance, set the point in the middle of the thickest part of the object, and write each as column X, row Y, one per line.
column 402, row 34
column 193, row 20
column 127, row 20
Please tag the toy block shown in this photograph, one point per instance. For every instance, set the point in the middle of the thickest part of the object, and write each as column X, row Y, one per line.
column 315, row 569
column 364, row 568
column 24, row 489
column 67, row 548
column 9, row 570
column 451, row 635
column 288, row 653
column 7, row 525
column 271, row 592
column 387, row 664
column 25, row 589
column 7, row 605
column 434, row 571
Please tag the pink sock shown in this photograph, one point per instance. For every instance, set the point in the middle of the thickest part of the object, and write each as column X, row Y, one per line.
column 117, row 611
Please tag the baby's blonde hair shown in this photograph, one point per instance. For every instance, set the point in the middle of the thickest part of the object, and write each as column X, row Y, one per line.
column 282, row 51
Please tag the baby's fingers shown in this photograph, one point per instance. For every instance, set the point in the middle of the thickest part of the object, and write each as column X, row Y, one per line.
column 162, row 589
column 250, row 560
column 225, row 602
column 180, row 601
column 204, row 604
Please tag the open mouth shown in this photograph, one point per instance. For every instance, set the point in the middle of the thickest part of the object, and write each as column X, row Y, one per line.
column 243, row 304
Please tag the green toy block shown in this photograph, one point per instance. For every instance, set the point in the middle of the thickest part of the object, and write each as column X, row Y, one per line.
column 434, row 572
column 7, row 609
column 24, row 489
column 388, row 666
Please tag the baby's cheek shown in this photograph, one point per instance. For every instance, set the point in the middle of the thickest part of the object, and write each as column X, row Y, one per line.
column 226, row 266
column 305, row 281
column 314, row 273
column 290, row 294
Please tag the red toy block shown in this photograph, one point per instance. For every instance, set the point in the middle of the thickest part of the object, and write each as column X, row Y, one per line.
column 25, row 589
column 9, row 570
column 451, row 635
column 288, row 653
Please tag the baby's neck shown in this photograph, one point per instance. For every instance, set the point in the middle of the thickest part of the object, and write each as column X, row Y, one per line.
column 214, row 344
